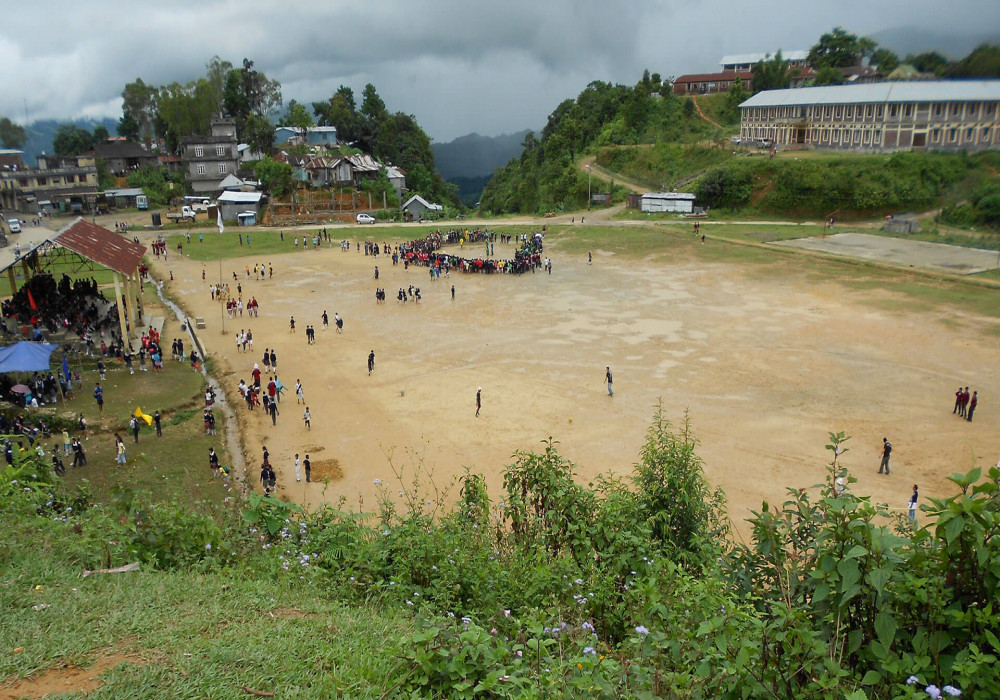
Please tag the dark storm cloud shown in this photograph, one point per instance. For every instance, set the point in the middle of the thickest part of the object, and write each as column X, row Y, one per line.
column 457, row 66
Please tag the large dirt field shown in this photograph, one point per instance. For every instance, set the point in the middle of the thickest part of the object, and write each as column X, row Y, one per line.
column 766, row 360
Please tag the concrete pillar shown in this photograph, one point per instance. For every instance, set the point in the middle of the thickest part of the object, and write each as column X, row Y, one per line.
column 120, row 300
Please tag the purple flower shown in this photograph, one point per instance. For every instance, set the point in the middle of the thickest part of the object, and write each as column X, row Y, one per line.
column 590, row 650
column 912, row 680
column 641, row 629
column 952, row 691
column 933, row 691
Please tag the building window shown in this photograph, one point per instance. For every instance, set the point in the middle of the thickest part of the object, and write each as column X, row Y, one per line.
column 878, row 112
column 986, row 134
column 952, row 134
column 956, row 109
column 220, row 150
column 222, row 168
column 907, row 110
column 970, row 134
column 938, row 109
column 893, row 110
column 935, row 136
column 201, row 169
column 199, row 151
column 838, row 112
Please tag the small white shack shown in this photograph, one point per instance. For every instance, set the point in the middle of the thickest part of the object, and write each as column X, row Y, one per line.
column 677, row 202
column 233, row 204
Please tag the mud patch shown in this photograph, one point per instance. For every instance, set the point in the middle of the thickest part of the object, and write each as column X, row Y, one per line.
column 326, row 469
column 65, row 679
column 284, row 613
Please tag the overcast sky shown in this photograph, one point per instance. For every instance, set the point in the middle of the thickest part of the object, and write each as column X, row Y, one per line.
column 457, row 65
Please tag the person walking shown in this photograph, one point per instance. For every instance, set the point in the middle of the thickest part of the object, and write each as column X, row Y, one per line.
column 156, row 422
column 608, row 380
column 308, row 467
column 973, row 402
column 326, row 320
column 299, row 394
column 99, row 397
column 213, row 461
column 479, row 400
column 121, row 458
column 133, row 424
column 914, row 497
column 886, row 452
column 307, row 419
column 371, row 362
column 453, row 292
column 298, row 468
column 339, row 322
column 67, row 443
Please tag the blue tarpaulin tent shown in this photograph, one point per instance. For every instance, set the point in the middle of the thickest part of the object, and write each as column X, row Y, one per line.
column 26, row 357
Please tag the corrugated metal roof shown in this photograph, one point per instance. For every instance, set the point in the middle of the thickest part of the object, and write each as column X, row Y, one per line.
column 240, row 197
column 124, row 192
column 758, row 57
column 710, row 77
column 102, row 246
column 924, row 91
column 424, row 202
column 668, row 195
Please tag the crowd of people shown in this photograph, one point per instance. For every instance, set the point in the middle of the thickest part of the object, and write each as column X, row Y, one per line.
column 77, row 306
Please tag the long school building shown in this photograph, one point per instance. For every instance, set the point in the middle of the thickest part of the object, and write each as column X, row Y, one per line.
column 939, row 115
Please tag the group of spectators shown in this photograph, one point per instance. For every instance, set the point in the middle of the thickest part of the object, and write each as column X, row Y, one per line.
column 74, row 305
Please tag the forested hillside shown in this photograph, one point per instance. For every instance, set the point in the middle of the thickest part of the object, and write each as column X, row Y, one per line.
column 545, row 178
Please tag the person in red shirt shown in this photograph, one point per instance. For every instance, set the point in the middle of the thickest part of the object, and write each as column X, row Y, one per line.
column 972, row 404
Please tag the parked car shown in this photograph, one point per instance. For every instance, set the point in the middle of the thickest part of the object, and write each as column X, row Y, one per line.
column 366, row 219
column 14, row 225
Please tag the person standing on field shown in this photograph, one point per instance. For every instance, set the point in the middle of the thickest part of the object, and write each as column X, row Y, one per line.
column 479, row 400
column 914, row 497
column 886, row 452
column 308, row 466
column 371, row 362
column 298, row 468
column 973, row 402
column 608, row 380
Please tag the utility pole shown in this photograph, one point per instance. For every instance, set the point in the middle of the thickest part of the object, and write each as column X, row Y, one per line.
column 589, row 194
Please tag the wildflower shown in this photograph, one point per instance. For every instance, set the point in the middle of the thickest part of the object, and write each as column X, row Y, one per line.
column 409, row 602
column 506, row 613
column 590, row 650
column 580, row 666
column 208, row 547
column 952, row 691
column 520, row 653
column 587, row 626
column 466, row 620
column 579, row 582
column 641, row 629
column 493, row 631
column 912, row 680
column 602, row 657
column 933, row 691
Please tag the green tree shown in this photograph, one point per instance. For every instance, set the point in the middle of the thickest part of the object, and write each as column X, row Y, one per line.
column 339, row 111
column 275, row 177
column 839, row 48
column 71, row 140
column 928, row 62
column 828, row 75
column 185, row 110
column 249, row 93
column 737, row 96
column 770, row 74
column 371, row 114
column 101, row 133
column 886, row 60
column 217, row 71
column 11, row 135
column 296, row 115
column 258, row 133
column 982, row 62
column 139, row 109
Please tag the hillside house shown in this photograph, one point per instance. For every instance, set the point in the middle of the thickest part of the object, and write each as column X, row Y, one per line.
column 708, row 83
column 746, row 61
column 941, row 115
column 122, row 157
column 67, row 183
column 209, row 159
column 416, row 207
column 232, row 204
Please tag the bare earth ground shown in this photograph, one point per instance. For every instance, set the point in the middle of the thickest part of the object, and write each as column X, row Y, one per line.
column 767, row 367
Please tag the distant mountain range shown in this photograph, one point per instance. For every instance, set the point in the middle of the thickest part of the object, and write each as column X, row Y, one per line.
column 41, row 133
column 469, row 161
